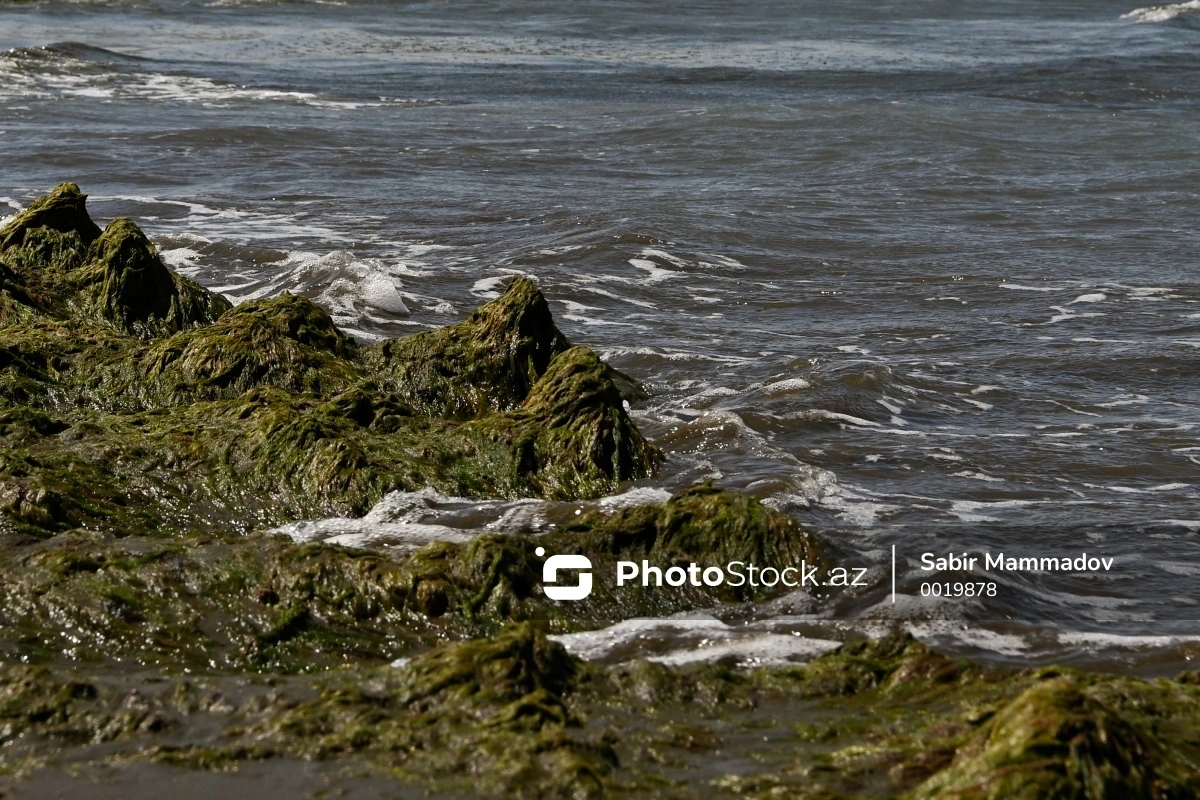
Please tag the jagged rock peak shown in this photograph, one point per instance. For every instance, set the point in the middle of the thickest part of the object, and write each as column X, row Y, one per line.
column 63, row 210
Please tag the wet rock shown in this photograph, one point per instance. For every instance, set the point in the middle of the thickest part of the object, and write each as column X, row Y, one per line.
column 58, row 263
column 572, row 434
column 1054, row 740
column 288, row 342
column 487, row 716
column 63, row 210
column 703, row 521
column 268, row 411
column 125, row 282
column 487, row 363
column 490, row 362
column 490, row 674
column 514, row 715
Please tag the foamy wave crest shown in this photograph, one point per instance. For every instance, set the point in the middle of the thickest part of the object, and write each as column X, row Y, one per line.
column 1163, row 13
column 356, row 292
column 693, row 638
column 72, row 70
column 408, row 520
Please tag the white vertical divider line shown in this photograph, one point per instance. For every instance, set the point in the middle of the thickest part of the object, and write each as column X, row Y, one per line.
column 893, row 574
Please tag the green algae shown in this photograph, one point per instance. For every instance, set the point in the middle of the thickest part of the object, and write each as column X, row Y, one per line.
column 571, row 435
column 58, row 263
column 124, row 282
column 287, row 342
column 148, row 432
column 490, row 362
column 62, row 211
column 514, row 715
column 171, row 405
column 267, row 604
column 1054, row 740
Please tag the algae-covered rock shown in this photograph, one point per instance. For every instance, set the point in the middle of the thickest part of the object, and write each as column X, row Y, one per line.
column 1075, row 737
column 490, row 674
column 572, row 434
column 63, row 210
column 58, row 263
column 268, row 412
column 288, row 342
column 496, row 577
column 487, row 363
column 1052, row 741
column 199, row 603
column 514, row 715
column 490, row 362
column 702, row 521
column 125, row 282
column 266, row 603
column 489, row 717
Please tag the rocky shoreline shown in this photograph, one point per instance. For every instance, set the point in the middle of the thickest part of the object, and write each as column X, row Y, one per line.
column 151, row 433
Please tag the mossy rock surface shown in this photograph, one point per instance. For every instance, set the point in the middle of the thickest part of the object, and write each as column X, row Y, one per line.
column 168, row 404
column 64, row 210
column 235, row 603
column 58, row 263
column 514, row 715
column 149, row 433
column 1054, row 740
column 490, row 362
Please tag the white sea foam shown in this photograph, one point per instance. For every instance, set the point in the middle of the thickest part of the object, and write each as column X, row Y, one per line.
column 1022, row 288
column 764, row 649
column 634, row 497
column 1106, row 641
column 651, row 252
column 979, row 476
column 785, row 386
column 344, row 285
column 833, row 416
column 693, row 638
column 936, row 632
column 654, row 273
column 1163, row 13
column 63, row 71
column 407, row 520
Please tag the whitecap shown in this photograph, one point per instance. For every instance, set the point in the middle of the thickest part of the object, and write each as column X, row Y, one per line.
column 1106, row 641
column 690, row 639
column 934, row 632
column 655, row 273
column 784, row 386
column 833, row 416
column 1021, row 288
column 1163, row 13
